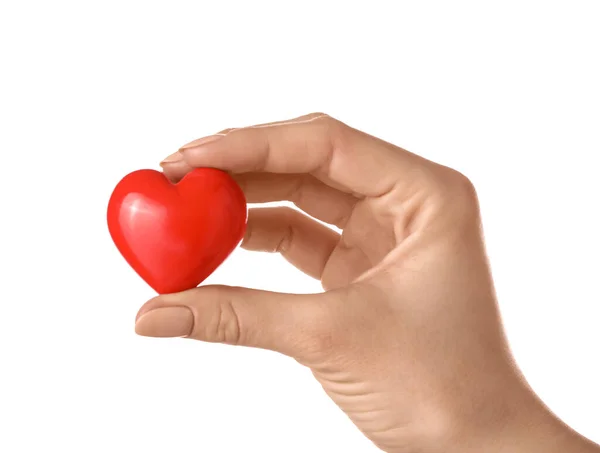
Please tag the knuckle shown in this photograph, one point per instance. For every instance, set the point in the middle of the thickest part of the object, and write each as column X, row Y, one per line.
column 335, row 127
column 328, row 134
column 224, row 325
column 285, row 242
column 318, row 115
column 337, row 137
column 290, row 216
column 332, row 127
column 464, row 190
column 228, row 327
column 248, row 238
column 464, row 186
column 459, row 195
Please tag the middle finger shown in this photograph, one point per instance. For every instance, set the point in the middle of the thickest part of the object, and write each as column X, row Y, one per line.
column 315, row 198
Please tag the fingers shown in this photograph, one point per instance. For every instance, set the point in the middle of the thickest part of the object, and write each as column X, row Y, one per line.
column 275, row 123
column 280, row 322
column 319, row 145
column 305, row 191
column 176, row 168
column 302, row 241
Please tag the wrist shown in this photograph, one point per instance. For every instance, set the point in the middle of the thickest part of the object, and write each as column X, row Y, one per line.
column 516, row 422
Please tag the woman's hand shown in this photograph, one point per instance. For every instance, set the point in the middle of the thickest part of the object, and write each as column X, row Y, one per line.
column 407, row 337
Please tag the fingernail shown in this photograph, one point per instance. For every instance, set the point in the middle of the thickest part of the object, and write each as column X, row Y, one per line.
column 166, row 322
column 175, row 157
column 202, row 141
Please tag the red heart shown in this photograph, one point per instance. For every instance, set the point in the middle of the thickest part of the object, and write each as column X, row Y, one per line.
column 176, row 235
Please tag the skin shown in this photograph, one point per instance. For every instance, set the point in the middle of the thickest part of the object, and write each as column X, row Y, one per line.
column 406, row 338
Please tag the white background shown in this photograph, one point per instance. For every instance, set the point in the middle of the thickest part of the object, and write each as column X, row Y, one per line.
column 506, row 92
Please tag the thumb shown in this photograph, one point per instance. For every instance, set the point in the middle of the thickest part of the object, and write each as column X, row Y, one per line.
column 285, row 323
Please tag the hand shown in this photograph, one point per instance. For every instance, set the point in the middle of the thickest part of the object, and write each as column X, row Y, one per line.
column 407, row 338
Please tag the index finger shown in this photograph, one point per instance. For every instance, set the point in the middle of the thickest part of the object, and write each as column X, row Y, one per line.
column 337, row 154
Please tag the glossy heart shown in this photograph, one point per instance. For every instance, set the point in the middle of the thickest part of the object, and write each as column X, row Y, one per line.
column 175, row 235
